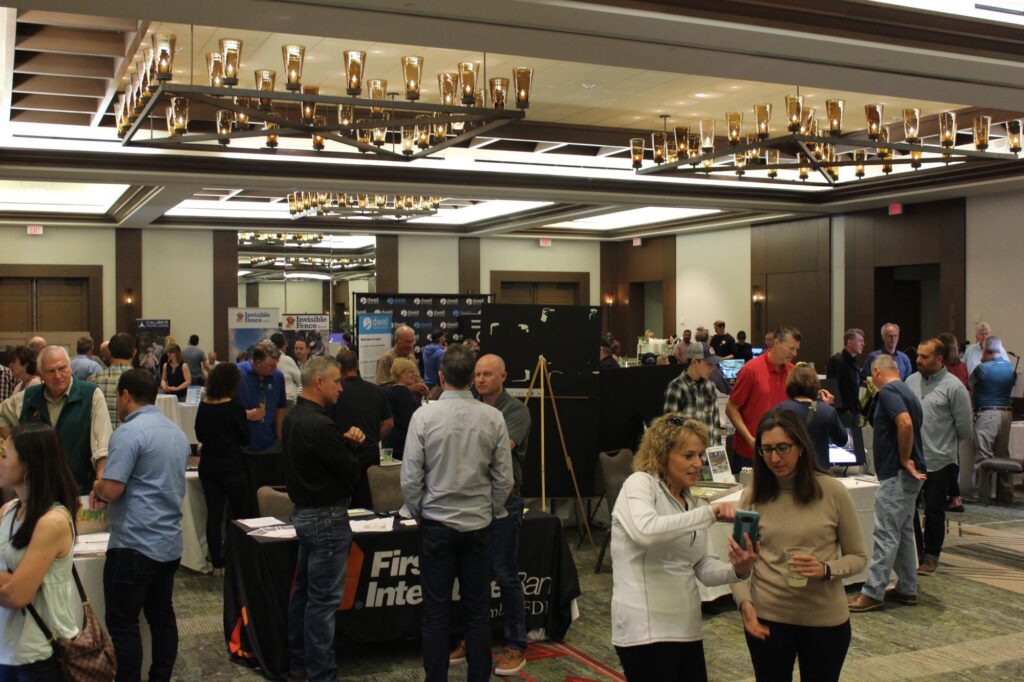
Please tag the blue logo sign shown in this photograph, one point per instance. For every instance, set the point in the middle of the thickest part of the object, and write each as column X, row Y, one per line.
column 375, row 323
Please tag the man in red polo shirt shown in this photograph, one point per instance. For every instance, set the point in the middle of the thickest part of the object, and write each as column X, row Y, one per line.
column 760, row 386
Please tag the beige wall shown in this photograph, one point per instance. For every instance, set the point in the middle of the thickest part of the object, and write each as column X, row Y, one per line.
column 428, row 265
column 713, row 279
column 66, row 246
column 177, row 281
column 525, row 254
column 995, row 275
column 302, row 296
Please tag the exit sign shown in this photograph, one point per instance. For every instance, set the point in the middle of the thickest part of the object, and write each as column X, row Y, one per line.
column 637, row 241
column 896, row 209
column 34, row 229
column 545, row 242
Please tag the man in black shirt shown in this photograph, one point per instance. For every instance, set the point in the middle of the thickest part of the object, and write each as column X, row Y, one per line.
column 722, row 342
column 843, row 368
column 322, row 472
column 364, row 405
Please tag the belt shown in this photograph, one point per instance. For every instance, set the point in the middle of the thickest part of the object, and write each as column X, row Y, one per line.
column 1001, row 408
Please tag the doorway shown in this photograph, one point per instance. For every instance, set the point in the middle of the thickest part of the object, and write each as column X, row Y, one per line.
column 909, row 296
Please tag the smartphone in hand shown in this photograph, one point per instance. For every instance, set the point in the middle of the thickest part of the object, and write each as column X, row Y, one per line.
column 746, row 522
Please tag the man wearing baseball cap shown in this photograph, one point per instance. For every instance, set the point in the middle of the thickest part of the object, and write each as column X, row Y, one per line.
column 692, row 393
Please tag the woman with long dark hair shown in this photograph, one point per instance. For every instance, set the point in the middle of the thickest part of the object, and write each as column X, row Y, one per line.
column 794, row 605
column 221, row 428
column 37, row 532
column 175, row 377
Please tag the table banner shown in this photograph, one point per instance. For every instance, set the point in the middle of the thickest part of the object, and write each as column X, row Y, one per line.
column 247, row 326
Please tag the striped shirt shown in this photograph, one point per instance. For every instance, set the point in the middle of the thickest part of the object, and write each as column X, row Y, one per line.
column 107, row 382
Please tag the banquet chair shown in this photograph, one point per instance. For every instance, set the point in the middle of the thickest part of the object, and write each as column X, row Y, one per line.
column 273, row 502
column 385, row 488
column 615, row 469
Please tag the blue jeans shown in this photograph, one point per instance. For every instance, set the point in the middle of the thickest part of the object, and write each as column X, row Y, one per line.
column 895, row 506
column 133, row 582
column 505, row 572
column 324, row 540
column 445, row 554
column 40, row 671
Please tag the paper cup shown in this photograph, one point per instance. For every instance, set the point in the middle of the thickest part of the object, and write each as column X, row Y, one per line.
column 794, row 578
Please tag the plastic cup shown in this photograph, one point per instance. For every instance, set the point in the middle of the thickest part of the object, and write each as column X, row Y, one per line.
column 387, row 455
column 794, row 578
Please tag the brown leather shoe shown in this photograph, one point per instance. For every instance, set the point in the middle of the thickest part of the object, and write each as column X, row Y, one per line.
column 458, row 654
column 927, row 567
column 862, row 603
column 900, row 597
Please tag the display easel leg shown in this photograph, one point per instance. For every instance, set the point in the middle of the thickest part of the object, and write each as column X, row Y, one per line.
column 538, row 371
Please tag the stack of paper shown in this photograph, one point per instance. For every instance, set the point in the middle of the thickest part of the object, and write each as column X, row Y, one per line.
column 260, row 522
column 94, row 543
column 384, row 525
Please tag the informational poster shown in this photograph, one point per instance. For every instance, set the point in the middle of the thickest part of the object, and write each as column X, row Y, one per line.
column 149, row 342
column 248, row 326
column 313, row 329
column 425, row 313
column 374, row 341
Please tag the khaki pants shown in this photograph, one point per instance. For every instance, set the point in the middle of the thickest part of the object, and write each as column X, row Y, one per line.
column 992, row 439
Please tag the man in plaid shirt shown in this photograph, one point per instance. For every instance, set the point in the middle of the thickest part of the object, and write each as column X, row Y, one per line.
column 691, row 393
column 7, row 383
column 122, row 350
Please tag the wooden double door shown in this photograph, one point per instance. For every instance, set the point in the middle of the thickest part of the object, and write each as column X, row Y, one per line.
column 44, row 304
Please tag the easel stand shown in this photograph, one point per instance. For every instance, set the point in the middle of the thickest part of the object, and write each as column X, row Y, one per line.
column 545, row 390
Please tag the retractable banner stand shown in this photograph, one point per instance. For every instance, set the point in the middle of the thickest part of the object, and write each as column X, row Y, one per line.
column 374, row 341
column 149, row 341
column 313, row 329
column 247, row 326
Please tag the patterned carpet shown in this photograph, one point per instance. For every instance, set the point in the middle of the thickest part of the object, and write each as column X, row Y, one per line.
column 969, row 624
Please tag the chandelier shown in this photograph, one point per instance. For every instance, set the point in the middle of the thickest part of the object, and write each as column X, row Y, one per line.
column 398, row 206
column 811, row 145
column 411, row 128
column 307, row 239
column 326, row 263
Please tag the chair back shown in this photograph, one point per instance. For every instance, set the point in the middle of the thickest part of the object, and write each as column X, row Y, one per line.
column 385, row 488
column 615, row 469
column 273, row 502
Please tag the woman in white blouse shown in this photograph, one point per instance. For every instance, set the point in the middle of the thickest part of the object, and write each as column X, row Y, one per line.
column 660, row 547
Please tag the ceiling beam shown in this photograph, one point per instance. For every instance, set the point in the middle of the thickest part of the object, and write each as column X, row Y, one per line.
column 61, row 85
column 58, row 40
column 133, row 40
column 66, row 20
column 8, row 35
column 80, row 66
column 77, row 105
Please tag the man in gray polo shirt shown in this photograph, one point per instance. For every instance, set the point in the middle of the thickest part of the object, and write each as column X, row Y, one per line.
column 947, row 421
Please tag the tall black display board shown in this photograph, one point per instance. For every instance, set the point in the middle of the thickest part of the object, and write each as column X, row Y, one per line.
column 568, row 337
column 424, row 312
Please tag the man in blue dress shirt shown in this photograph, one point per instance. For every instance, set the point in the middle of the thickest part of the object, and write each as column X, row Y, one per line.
column 991, row 384
column 890, row 339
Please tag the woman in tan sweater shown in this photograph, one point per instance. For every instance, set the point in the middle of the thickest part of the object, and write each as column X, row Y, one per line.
column 801, row 507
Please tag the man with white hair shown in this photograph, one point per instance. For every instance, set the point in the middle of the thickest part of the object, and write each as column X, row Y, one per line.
column 77, row 410
column 405, row 344
column 991, row 384
column 972, row 354
column 890, row 339
column 37, row 344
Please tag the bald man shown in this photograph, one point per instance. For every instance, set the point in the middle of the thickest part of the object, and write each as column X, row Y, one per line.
column 405, row 347
column 37, row 343
column 489, row 380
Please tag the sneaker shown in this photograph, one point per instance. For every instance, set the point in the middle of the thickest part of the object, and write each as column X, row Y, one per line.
column 218, row 573
column 927, row 567
column 458, row 654
column 510, row 662
column 900, row 597
column 862, row 603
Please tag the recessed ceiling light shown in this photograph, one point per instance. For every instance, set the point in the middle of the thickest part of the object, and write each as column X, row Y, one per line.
column 701, row 95
column 633, row 218
column 588, row 86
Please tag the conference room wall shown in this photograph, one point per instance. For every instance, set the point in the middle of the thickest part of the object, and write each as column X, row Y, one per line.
column 428, row 265
column 177, row 281
column 527, row 255
column 300, row 296
column 241, row 295
column 713, row 280
column 66, row 246
column 995, row 276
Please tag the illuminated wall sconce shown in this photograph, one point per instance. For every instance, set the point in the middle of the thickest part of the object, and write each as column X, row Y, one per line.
column 522, row 76
column 163, row 55
column 773, row 160
column 355, row 61
column 129, row 297
column 982, row 126
column 636, row 146
column 762, row 118
column 412, row 72
column 873, row 116
column 734, row 123
column 859, row 156
column 271, row 129
column 794, row 112
column 265, row 79
column 834, row 111
column 293, row 56
column 912, row 125
column 467, row 81
column 1013, row 135
column 231, row 54
column 609, row 298
column 499, row 92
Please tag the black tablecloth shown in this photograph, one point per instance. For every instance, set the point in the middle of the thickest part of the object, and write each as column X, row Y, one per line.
column 382, row 589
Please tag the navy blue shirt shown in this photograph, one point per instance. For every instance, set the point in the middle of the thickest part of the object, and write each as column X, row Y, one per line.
column 992, row 382
column 902, row 363
column 824, row 426
column 894, row 399
column 432, row 354
column 251, row 389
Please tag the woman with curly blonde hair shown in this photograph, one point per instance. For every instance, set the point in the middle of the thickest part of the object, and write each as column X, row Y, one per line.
column 660, row 547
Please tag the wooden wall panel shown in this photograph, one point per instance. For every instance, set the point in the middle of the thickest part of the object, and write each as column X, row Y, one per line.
column 469, row 265
column 127, row 277
column 225, row 287
column 387, row 263
column 623, row 264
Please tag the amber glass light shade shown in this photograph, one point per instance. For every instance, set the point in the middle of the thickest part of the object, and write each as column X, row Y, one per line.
column 693, row 148
column 522, row 78
column 794, row 112
column 271, row 129
column 408, row 139
column 859, row 156
column 807, row 126
column 912, row 125
column 225, row 120
column 423, row 132
column 153, row 84
column 144, row 79
column 873, row 117
column 733, row 125
column 982, row 125
column 377, row 88
column 671, row 147
column 468, row 74
column 241, row 117
column 740, row 162
column 773, row 160
column 363, row 135
column 412, row 74
column 439, row 130
column 915, row 159
column 265, row 79
column 231, row 54
column 947, row 129
column 683, row 140
column 658, row 147
column 293, row 56
column 834, row 111
column 883, row 136
column 1013, row 135
column 499, row 92
column 805, row 169
column 119, row 120
column 355, row 61
column 308, row 107
column 707, row 135
column 318, row 136
column 379, row 135
column 346, row 115
column 762, row 118
column 163, row 55
column 215, row 67
column 754, row 153
column 447, row 85
column 636, row 151
column 179, row 114
column 130, row 112
column 707, row 164
column 169, row 115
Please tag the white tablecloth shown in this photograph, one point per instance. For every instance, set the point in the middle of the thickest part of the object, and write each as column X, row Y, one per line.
column 1017, row 440
column 863, row 494
column 193, row 526
column 181, row 414
column 90, row 570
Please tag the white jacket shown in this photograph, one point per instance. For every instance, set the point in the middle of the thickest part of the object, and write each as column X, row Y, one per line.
column 659, row 550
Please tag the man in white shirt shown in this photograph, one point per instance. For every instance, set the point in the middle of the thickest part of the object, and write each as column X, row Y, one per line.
column 973, row 352
column 289, row 368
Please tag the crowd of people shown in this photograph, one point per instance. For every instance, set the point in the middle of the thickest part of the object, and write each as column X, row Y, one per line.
column 88, row 426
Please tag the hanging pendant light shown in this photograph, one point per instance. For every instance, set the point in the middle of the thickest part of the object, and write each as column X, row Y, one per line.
column 636, row 148
column 834, row 111
column 163, row 55
column 468, row 72
column 794, row 112
column 231, row 55
column 355, row 61
column 293, row 56
column 522, row 77
column 412, row 72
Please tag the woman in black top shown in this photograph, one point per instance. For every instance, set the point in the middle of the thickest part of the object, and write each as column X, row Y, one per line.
column 403, row 404
column 821, row 419
column 223, row 432
column 175, row 377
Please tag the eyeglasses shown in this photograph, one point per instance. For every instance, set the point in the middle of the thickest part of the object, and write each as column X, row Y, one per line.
column 782, row 449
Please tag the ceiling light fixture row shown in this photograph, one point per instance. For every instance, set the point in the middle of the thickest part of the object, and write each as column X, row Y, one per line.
column 816, row 142
column 361, row 123
column 398, row 206
column 309, row 261
column 306, row 239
